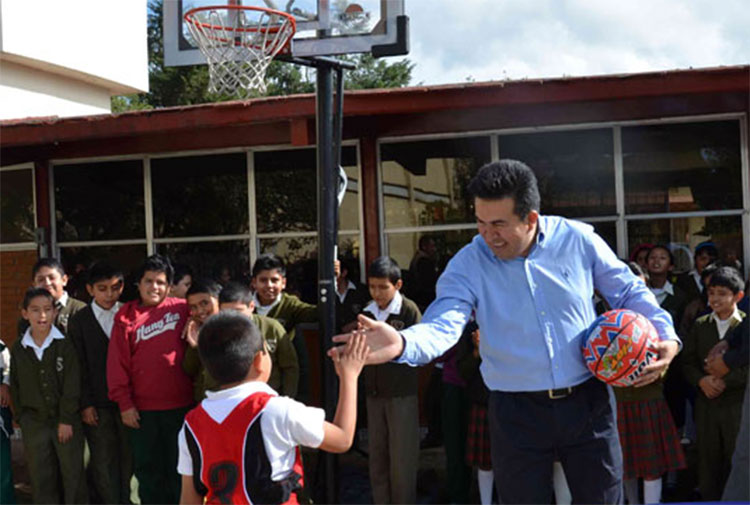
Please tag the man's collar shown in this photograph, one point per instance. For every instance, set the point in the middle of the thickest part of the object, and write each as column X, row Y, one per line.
column 541, row 231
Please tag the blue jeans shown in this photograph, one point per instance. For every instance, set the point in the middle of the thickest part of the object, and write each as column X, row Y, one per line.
column 529, row 431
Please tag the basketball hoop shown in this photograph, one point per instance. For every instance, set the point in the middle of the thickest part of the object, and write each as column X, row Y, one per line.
column 239, row 43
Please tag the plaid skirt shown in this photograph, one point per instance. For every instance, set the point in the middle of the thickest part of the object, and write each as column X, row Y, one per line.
column 478, row 452
column 650, row 445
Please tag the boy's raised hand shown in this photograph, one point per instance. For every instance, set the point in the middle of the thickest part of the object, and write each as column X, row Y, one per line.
column 351, row 357
column 384, row 341
column 190, row 333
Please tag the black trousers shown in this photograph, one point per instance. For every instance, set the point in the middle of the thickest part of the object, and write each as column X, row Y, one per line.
column 529, row 431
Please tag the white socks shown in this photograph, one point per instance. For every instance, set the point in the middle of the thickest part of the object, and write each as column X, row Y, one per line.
column 486, row 479
column 651, row 491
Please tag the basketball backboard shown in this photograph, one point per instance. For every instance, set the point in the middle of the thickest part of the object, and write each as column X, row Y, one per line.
column 324, row 27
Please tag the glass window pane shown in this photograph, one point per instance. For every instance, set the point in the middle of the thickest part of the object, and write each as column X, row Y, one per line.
column 608, row 231
column 575, row 169
column 223, row 260
column 77, row 259
column 99, row 201
column 300, row 255
column 16, row 206
column 200, row 195
column 287, row 195
column 424, row 183
column 685, row 233
column 683, row 167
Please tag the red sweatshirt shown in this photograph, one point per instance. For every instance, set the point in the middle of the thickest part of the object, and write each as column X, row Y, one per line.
column 144, row 361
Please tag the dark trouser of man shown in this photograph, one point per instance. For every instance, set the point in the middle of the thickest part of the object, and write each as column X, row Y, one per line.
column 456, row 407
column 718, row 423
column 738, row 485
column 111, row 462
column 155, row 455
column 529, row 431
column 48, row 460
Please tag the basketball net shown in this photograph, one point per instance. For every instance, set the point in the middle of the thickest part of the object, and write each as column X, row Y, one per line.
column 239, row 42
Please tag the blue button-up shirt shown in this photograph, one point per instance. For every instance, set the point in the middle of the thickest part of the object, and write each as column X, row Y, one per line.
column 532, row 312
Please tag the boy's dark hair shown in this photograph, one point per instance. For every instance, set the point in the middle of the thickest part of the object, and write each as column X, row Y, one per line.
column 269, row 262
column 727, row 277
column 507, row 178
column 47, row 262
column 385, row 268
column 664, row 247
column 235, row 292
column 208, row 286
column 180, row 271
column 102, row 271
column 227, row 344
column 32, row 293
column 156, row 263
column 709, row 270
column 708, row 247
column 637, row 270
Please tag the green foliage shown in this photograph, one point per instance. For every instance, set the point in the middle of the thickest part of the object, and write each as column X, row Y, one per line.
column 173, row 86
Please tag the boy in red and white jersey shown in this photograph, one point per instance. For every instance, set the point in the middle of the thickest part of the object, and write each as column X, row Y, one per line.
column 241, row 444
column 145, row 378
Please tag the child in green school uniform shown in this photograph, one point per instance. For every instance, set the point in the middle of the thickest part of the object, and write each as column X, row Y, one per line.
column 269, row 282
column 718, row 404
column 46, row 388
column 203, row 299
column 391, row 390
column 111, row 463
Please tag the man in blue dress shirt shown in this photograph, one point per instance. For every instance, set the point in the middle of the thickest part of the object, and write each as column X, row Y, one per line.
column 530, row 279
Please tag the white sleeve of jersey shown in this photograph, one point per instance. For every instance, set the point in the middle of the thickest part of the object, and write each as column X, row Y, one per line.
column 184, row 460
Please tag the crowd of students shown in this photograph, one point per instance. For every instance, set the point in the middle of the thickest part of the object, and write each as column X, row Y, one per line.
column 120, row 382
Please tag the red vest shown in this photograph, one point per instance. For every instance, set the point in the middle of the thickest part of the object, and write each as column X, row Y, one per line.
column 230, row 464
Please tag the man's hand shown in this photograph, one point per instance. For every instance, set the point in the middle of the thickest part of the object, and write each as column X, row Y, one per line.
column 64, row 432
column 190, row 333
column 711, row 386
column 4, row 395
column 715, row 366
column 351, row 357
column 667, row 351
column 130, row 418
column 88, row 416
column 384, row 341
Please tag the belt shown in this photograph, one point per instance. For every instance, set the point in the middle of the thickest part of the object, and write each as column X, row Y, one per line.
column 557, row 394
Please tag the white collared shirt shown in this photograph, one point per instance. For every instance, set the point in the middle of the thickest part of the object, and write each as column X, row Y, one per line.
column 697, row 278
column 662, row 292
column 264, row 309
column 349, row 287
column 723, row 326
column 28, row 341
column 106, row 318
column 63, row 300
column 393, row 308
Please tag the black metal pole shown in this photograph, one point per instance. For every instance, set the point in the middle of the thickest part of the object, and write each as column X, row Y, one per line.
column 327, row 234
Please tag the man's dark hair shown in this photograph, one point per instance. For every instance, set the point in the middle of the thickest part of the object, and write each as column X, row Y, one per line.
column 102, row 271
column 507, row 179
column 727, row 277
column 235, row 292
column 227, row 344
column 385, row 268
column 208, row 286
column 156, row 263
column 637, row 270
column 665, row 248
column 269, row 262
column 47, row 262
column 35, row 292
column 180, row 271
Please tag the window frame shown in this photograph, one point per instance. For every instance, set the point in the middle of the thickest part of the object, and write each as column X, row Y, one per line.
column 24, row 246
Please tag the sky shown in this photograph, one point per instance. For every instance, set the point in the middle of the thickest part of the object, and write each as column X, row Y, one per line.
column 455, row 41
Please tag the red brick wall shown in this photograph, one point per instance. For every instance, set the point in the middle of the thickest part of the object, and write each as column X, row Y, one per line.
column 15, row 275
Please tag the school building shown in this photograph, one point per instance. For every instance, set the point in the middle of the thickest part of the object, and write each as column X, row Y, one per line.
column 657, row 157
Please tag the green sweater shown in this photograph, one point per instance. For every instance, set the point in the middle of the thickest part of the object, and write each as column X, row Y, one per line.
column 392, row 379
column 284, row 372
column 291, row 311
column 49, row 389
column 702, row 337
